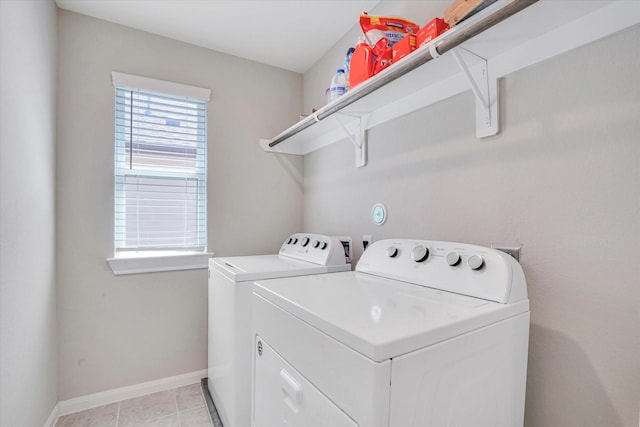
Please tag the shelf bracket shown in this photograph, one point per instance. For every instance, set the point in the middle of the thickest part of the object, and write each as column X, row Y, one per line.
column 358, row 139
column 485, row 89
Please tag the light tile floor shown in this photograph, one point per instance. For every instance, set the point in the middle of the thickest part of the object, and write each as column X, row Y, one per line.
column 180, row 407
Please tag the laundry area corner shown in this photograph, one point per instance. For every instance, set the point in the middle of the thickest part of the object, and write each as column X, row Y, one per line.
column 290, row 213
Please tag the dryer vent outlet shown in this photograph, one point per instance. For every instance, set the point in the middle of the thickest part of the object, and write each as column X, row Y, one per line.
column 347, row 244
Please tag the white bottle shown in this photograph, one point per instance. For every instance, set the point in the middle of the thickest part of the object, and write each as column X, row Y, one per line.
column 338, row 85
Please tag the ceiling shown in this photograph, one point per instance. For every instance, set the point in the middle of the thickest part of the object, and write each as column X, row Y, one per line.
column 289, row 34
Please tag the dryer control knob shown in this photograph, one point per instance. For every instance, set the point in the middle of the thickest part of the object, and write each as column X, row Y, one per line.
column 290, row 240
column 305, row 241
column 295, row 240
column 316, row 243
column 323, row 245
column 392, row 251
column 419, row 253
column 453, row 258
column 475, row 262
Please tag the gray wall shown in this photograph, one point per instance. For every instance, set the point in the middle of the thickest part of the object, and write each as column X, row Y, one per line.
column 119, row 331
column 562, row 178
column 27, row 212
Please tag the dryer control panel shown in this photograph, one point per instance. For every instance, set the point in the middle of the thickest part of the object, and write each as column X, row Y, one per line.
column 317, row 248
column 453, row 267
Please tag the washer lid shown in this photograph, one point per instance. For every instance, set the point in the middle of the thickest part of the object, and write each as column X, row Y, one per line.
column 245, row 268
column 382, row 318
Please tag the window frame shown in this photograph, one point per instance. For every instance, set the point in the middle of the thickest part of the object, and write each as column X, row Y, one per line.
column 133, row 261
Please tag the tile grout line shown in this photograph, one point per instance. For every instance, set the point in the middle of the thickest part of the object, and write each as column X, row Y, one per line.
column 175, row 399
column 118, row 414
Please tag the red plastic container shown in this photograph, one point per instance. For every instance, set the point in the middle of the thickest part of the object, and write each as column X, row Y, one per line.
column 361, row 66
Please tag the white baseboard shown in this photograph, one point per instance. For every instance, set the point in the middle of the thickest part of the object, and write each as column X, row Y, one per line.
column 115, row 395
column 53, row 417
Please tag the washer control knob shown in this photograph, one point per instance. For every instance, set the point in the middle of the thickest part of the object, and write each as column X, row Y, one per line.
column 419, row 253
column 316, row 243
column 323, row 245
column 290, row 240
column 305, row 241
column 295, row 240
column 475, row 262
column 453, row 258
column 392, row 251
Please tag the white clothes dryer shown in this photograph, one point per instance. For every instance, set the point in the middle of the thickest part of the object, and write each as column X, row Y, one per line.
column 230, row 286
column 423, row 333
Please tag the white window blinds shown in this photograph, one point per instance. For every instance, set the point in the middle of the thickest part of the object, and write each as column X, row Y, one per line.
column 160, row 171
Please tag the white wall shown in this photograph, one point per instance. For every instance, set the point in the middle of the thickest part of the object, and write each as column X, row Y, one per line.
column 27, row 212
column 562, row 178
column 118, row 331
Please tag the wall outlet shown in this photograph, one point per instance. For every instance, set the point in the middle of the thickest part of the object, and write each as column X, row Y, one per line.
column 367, row 239
column 514, row 251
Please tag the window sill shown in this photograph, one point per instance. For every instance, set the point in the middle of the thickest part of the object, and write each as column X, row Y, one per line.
column 152, row 264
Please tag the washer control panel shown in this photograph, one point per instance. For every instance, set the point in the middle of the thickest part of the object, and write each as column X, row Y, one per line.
column 454, row 267
column 317, row 248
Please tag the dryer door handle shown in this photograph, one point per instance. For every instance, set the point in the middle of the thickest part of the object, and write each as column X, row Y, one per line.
column 291, row 386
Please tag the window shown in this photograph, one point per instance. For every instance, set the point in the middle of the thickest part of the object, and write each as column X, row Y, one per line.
column 160, row 167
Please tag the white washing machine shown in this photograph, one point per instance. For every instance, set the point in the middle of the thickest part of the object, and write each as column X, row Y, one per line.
column 230, row 286
column 423, row 333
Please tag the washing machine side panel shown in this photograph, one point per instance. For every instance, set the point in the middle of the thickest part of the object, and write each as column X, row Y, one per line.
column 221, row 346
column 229, row 353
column 354, row 383
column 477, row 379
column 285, row 398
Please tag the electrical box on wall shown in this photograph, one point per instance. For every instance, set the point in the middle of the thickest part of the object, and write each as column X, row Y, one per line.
column 514, row 251
column 367, row 239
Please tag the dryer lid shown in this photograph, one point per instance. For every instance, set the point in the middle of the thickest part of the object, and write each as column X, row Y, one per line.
column 382, row 318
